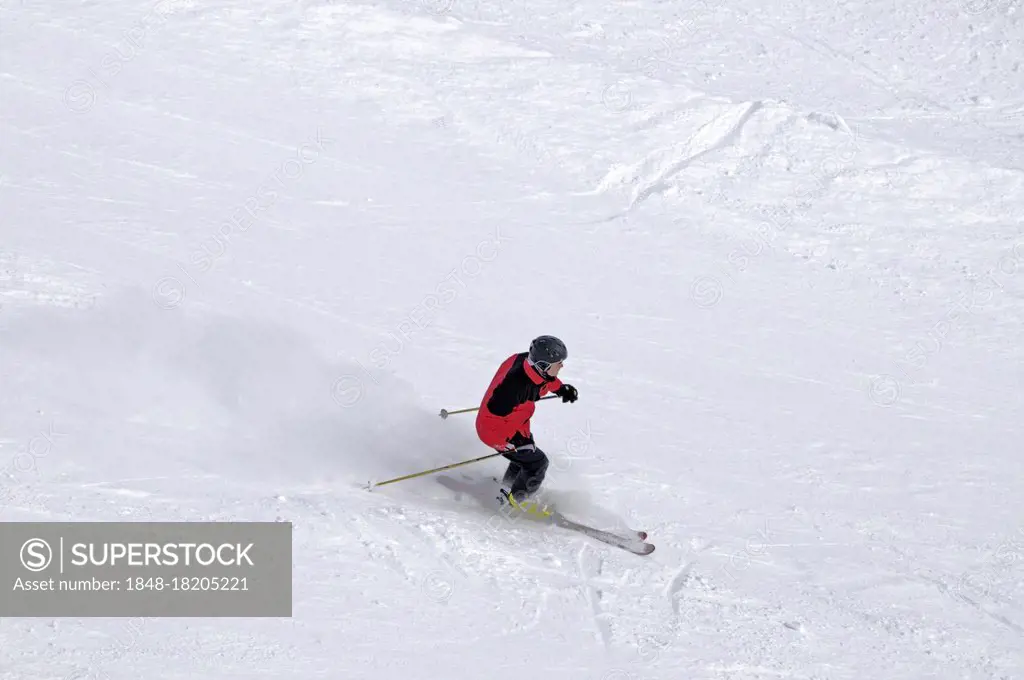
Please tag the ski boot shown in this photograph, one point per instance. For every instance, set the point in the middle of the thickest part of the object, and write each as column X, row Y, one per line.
column 525, row 504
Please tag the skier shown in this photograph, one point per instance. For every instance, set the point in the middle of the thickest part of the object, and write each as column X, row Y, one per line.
column 503, row 421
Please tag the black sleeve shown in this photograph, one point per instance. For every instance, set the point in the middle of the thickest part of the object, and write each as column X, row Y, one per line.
column 503, row 400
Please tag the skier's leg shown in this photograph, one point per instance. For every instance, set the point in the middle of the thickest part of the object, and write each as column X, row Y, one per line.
column 533, row 466
column 511, row 472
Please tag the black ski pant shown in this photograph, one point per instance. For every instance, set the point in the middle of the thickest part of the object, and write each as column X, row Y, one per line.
column 526, row 469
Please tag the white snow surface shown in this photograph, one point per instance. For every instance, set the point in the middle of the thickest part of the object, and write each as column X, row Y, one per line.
column 249, row 250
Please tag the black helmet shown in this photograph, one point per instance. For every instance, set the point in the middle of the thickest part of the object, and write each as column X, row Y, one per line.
column 547, row 350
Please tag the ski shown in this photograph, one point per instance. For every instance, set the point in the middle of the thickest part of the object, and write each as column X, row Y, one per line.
column 637, row 545
column 634, row 541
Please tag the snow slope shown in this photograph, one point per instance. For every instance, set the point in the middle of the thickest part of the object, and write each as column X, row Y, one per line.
column 248, row 250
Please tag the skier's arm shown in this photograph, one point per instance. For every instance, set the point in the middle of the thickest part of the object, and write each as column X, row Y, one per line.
column 566, row 391
column 552, row 386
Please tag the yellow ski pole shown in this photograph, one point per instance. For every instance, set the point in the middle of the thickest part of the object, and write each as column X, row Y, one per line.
column 427, row 472
column 445, row 412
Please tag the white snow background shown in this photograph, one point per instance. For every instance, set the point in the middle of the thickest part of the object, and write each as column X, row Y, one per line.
column 249, row 250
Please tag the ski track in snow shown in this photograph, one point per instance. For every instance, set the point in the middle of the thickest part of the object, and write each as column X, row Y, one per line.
column 653, row 174
column 782, row 243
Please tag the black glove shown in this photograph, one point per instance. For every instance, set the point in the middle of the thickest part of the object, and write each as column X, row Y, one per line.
column 567, row 393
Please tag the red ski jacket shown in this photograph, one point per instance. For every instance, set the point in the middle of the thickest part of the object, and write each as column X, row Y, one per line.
column 508, row 404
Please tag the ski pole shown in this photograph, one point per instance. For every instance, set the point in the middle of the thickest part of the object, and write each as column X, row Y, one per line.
column 427, row 472
column 445, row 412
